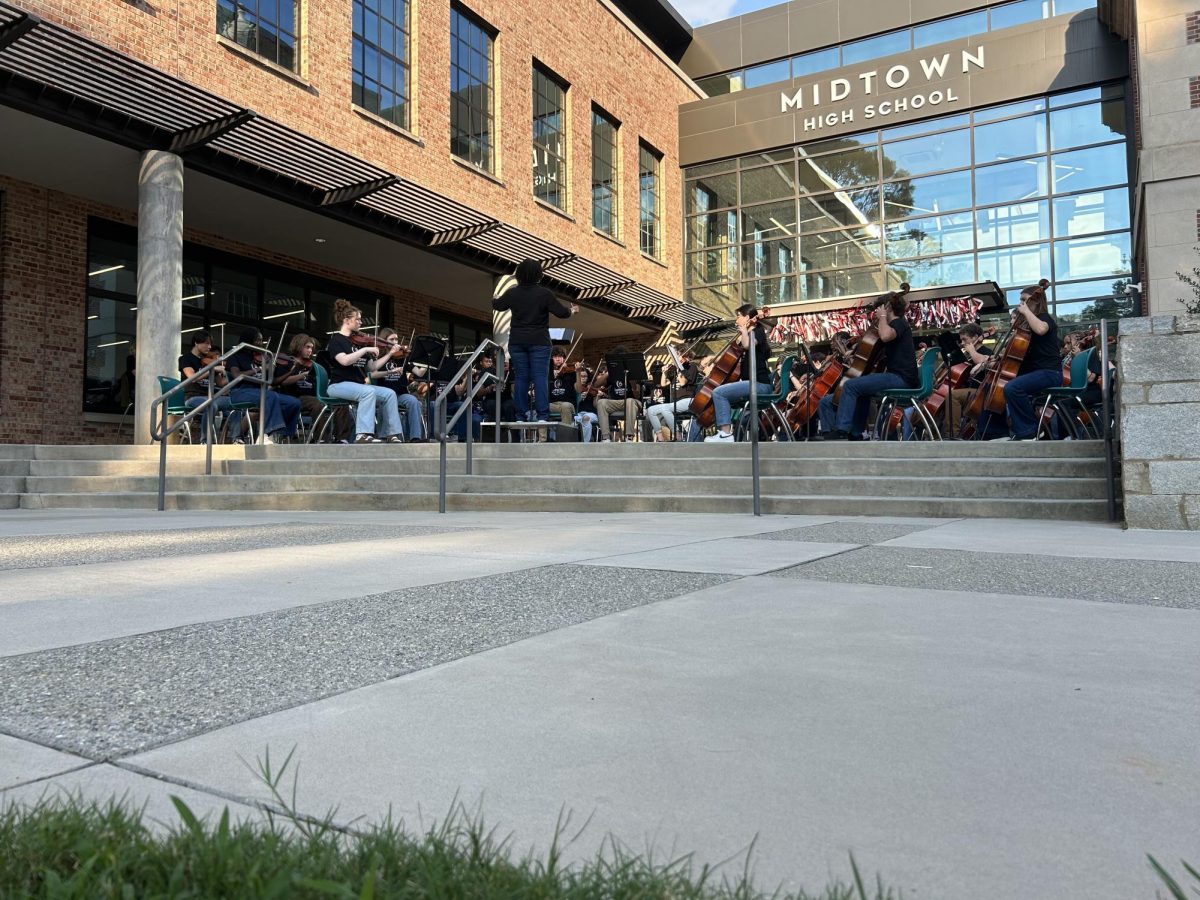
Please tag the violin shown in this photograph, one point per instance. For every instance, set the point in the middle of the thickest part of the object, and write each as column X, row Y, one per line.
column 362, row 339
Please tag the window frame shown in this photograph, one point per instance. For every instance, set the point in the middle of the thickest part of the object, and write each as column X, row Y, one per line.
column 563, row 134
column 485, row 114
column 613, row 186
column 232, row 10
column 654, row 214
column 401, row 64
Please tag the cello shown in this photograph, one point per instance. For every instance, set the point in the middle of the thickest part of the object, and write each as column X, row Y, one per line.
column 868, row 352
column 726, row 368
column 1004, row 366
column 809, row 396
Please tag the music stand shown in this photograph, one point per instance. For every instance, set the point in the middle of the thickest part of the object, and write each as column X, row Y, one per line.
column 633, row 367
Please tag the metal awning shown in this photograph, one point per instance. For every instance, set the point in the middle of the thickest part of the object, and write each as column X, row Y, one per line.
column 511, row 245
column 52, row 72
column 589, row 280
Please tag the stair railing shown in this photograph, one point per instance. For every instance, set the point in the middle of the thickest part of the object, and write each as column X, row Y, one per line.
column 472, row 391
column 1110, row 413
column 159, row 431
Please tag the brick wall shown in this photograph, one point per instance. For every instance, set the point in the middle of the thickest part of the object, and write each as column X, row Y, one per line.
column 582, row 41
column 1193, row 28
column 1194, row 91
column 43, row 290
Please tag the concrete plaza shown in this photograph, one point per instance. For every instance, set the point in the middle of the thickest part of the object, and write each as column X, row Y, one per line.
column 987, row 709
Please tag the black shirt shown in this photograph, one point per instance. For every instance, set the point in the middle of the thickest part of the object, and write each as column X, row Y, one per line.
column 1043, row 352
column 618, row 389
column 762, row 350
column 305, row 387
column 900, row 353
column 197, row 388
column 562, row 388
column 691, row 381
column 976, row 380
column 531, row 307
column 340, row 343
column 392, row 376
column 244, row 362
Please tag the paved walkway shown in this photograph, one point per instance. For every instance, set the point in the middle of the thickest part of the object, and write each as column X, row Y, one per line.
column 984, row 708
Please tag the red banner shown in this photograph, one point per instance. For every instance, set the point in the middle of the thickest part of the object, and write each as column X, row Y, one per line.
column 813, row 328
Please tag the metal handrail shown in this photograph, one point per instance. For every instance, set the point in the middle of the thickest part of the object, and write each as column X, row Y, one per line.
column 158, row 433
column 439, row 411
column 1108, row 409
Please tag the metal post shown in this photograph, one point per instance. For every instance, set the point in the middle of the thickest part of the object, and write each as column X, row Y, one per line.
column 440, row 416
column 262, row 408
column 1106, row 412
column 162, row 460
column 498, row 371
column 754, row 473
column 208, row 425
column 470, row 414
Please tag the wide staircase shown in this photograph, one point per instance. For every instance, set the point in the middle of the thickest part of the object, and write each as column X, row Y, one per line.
column 1052, row 480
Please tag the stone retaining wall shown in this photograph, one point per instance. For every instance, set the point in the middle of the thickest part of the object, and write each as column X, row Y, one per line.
column 1158, row 361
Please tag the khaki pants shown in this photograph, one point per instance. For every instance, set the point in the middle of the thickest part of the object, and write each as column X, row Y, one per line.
column 958, row 402
column 628, row 408
column 565, row 412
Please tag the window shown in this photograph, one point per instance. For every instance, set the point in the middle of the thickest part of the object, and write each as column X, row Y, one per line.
column 950, row 29
column 817, row 61
column 650, row 201
column 472, row 98
column 265, row 27
column 606, row 198
column 380, row 67
column 875, row 47
column 549, row 138
column 766, row 74
column 1018, row 13
column 462, row 335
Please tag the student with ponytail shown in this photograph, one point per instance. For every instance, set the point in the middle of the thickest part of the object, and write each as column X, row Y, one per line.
column 1042, row 367
column 347, row 380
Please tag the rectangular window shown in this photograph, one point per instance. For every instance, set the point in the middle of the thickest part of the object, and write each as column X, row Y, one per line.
column 472, row 95
column 381, row 61
column 1018, row 13
column 265, row 27
column 549, row 138
column 606, row 197
column 950, row 29
column 873, row 48
column 650, row 200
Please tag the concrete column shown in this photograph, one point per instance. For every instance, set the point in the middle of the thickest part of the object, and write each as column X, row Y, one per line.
column 502, row 321
column 160, row 279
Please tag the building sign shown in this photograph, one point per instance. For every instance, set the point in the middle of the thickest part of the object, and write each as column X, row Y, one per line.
column 810, row 98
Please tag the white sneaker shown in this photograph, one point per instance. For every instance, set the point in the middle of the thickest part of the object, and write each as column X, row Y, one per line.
column 721, row 437
column 267, row 439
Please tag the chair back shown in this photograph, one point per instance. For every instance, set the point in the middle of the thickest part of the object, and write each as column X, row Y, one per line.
column 785, row 382
column 175, row 406
column 929, row 364
column 321, row 384
column 1079, row 369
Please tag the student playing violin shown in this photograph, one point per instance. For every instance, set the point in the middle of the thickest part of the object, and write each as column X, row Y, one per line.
column 565, row 383
column 347, row 380
column 391, row 372
column 282, row 412
column 199, row 356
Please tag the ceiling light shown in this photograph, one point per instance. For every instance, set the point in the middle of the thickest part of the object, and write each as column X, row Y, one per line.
column 113, row 344
column 92, row 317
column 194, row 296
column 294, row 312
column 319, row 240
column 102, row 271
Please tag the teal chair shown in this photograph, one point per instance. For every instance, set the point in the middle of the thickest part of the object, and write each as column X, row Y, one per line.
column 1063, row 400
column 771, row 406
column 175, row 406
column 325, row 419
column 912, row 398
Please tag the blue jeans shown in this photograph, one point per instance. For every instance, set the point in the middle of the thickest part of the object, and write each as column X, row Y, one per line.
column 410, row 407
column 368, row 397
column 725, row 395
column 282, row 412
column 856, row 399
column 460, row 427
column 1019, row 393
column 221, row 404
column 531, row 362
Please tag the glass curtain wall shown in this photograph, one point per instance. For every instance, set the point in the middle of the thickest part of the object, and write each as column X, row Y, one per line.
column 1015, row 193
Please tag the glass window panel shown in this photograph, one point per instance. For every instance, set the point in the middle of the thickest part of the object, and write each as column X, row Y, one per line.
column 1095, row 123
column 838, row 210
column 1016, row 223
column 721, row 300
column 1095, row 167
column 768, row 183
column 112, row 265
column 725, row 165
column 840, row 249
column 931, row 194
column 1010, row 109
column 109, row 359
column 1018, row 13
column 1090, row 290
column 234, row 294
column 935, row 153
column 839, row 170
column 771, row 220
column 770, row 291
column 1069, row 6
column 840, row 283
column 875, row 47
column 195, row 295
column 1010, row 139
column 945, row 123
column 950, row 29
column 845, row 142
column 933, row 235
column 936, row 270
column 1092, row 212
column 769, row 258
column 757, row 159
column 1091, row 257
column 1104, row 306
column 1080, row 96
column 817, row 61
column 712, row 266
column 1010, row 181
column 769, row 73
column 1015, row 265
column 712, row 192
column 283, row 303
column 716, row 85
column 712, row 229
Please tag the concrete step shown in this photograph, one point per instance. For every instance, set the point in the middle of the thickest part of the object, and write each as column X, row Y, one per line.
column 11, row 468
column 639, row 485
column 97, row 467
column 953, row 507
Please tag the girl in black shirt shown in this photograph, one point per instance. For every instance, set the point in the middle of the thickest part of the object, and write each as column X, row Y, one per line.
column 1042, row 367
column 282, row 413
column 749, row 328
column 347, row 380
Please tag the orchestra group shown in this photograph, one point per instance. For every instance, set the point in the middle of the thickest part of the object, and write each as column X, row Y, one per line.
column 369, row 388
